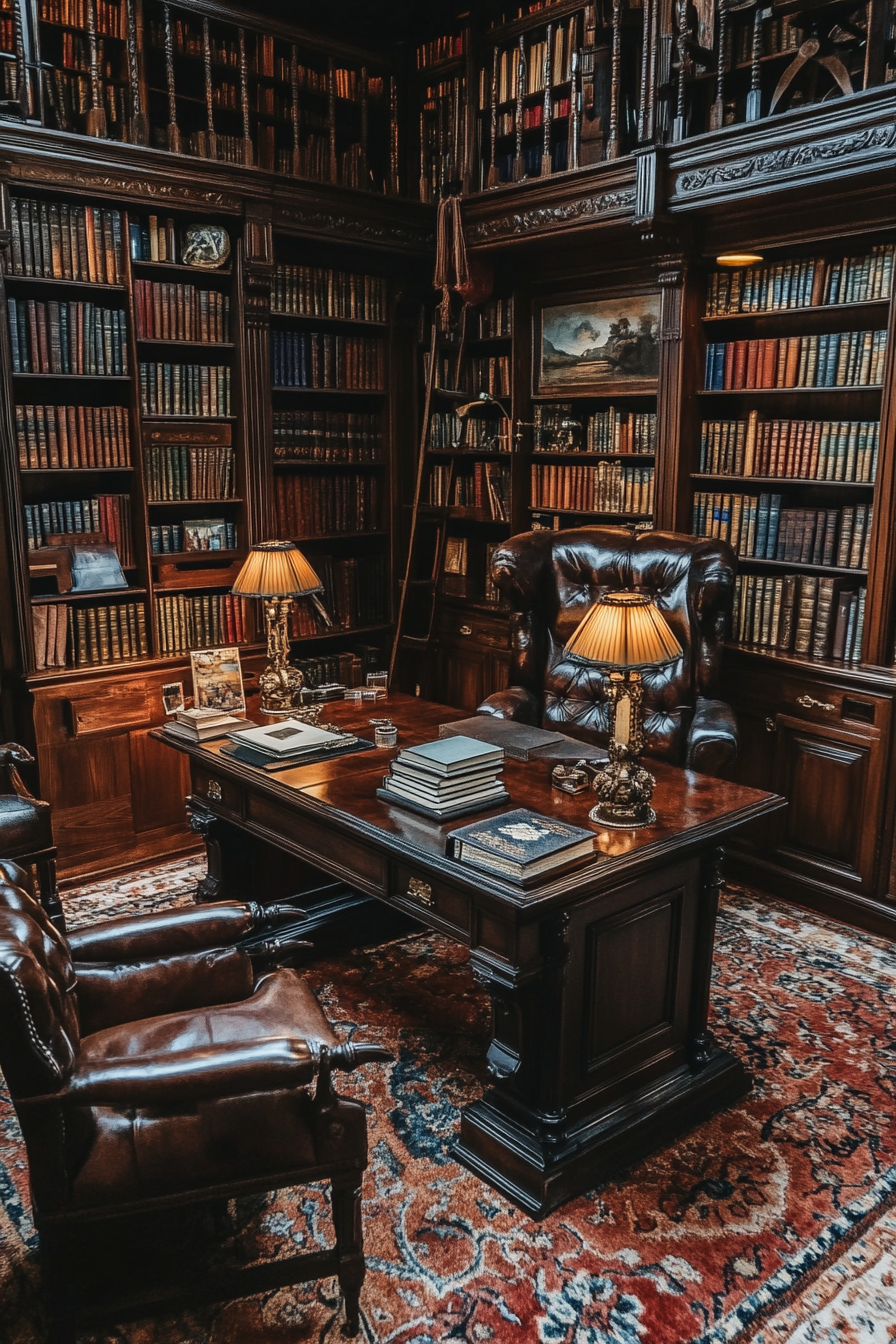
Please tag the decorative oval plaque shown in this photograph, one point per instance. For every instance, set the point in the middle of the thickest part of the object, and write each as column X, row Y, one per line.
column 206, row 246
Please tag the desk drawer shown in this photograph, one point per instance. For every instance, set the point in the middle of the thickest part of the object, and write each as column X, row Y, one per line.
column 223, row 794
column 450, row 904
column 334, row 851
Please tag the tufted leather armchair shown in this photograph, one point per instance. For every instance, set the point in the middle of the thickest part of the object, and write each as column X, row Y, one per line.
column 551, row 579
column 140, row 1092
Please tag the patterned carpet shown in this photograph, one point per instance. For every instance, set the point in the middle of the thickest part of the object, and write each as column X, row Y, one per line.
column 773, row 1223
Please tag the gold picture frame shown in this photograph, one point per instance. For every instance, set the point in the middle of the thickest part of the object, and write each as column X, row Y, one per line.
column 218, row 679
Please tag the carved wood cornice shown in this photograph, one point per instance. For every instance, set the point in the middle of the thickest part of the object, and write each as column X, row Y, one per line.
column 813, row 144
column 601, row 195
column 35, row 156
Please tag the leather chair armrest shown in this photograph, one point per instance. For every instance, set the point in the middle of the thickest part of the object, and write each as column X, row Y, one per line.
column 205, row 1073
column 712, row 740
column 170, row 932
column 12, row 755
column 109, row 994
column 515, row 703
column 189, row 1076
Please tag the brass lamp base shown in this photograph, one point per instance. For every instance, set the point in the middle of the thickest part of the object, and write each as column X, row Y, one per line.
column 280, row 683
column 625, row 789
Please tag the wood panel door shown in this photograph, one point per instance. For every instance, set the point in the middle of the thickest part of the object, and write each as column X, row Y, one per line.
column 833, row 779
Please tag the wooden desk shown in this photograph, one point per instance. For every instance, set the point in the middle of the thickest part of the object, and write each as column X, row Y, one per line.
column 599, row 980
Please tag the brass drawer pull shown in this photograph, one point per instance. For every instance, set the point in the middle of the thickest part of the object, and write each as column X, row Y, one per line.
column 771, row 726
column 808, row 702
column 465, row 630
column 419, row 891
column 214, row 791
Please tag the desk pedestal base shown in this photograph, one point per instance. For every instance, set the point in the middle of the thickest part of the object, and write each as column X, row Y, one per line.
column 538, row 1176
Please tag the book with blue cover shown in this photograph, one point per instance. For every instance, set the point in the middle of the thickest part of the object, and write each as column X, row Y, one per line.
column 522, row 845
column 452, row 755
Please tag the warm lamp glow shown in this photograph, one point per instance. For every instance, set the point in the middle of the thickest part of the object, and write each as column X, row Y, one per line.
column 623, row 630
column 276, row 569
column 739, row 259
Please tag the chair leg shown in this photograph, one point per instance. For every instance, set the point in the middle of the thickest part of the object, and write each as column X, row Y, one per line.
column 54, row 1271
column 49, row 892
column 346, row 1196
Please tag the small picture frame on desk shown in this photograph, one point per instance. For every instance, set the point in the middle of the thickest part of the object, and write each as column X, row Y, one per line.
column 596, row 345
column 218, row 680
column 172, row 696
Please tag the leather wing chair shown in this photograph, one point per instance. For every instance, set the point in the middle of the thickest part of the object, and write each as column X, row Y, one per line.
column 138, row 1093
column 550, row 579
column 26, row 833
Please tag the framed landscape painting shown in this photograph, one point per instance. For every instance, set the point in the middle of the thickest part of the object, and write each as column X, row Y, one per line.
column 597, row 345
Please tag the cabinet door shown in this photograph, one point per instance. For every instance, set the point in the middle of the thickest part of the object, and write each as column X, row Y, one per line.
column 755, row 767
column 462, row 675
column 833, row 780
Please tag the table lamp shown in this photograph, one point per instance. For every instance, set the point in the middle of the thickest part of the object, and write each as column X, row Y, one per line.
column 623, row 633
column 278, row 572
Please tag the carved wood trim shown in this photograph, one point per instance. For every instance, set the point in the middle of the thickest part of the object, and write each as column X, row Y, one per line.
column 546, row 218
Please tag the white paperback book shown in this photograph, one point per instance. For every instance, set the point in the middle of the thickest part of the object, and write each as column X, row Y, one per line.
column 287, row 738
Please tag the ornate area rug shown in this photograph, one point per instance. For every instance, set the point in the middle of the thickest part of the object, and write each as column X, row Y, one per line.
column 770, row 1223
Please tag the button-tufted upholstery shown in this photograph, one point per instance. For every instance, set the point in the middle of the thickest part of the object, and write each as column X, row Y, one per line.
column 177, row 1079
column 551, row 579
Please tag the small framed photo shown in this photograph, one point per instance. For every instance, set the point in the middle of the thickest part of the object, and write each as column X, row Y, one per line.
column 173, row 696
column 218, row 680
column 599, row 345
column 205, row 534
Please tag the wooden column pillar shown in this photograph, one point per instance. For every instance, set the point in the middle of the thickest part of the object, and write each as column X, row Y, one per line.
column 255, row 363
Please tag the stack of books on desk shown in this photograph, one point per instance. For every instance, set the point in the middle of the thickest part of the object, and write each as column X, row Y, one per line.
column 201, row 725
column 446, row 779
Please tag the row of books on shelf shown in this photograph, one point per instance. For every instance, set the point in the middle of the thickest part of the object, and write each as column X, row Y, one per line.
column 196, row 534
column 185, row 389
column 331, row 669
column 443, row 117
column 108, row 514
column 836, row 359
column 776, row 35
column 813, row 450
column 809, row 615
column 76, row 54
column 320, row 291
column 189, row 471
column 199, row 621
column 533, row 115
column 322, row 360
column 487, row 486
column 110, row 18
column 328, row 436
column 559, row 55
column 355, row 595
column 74, row 636
column 491, row 373
column 74, row 337
column 495, row 318
column 614, row 430
column 70, row 97
column 313, row 505
column 448, row 430
column 757, row 527
column 154, row 239
column 176, row 312
column 68, row 437
column 440, row 49
column 58, row 241
column 532, row 160
column 802, row 283
column 607, row 487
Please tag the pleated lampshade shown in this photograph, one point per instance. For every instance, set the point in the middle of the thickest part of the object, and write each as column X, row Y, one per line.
column 276, row 569
column 624, row 630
